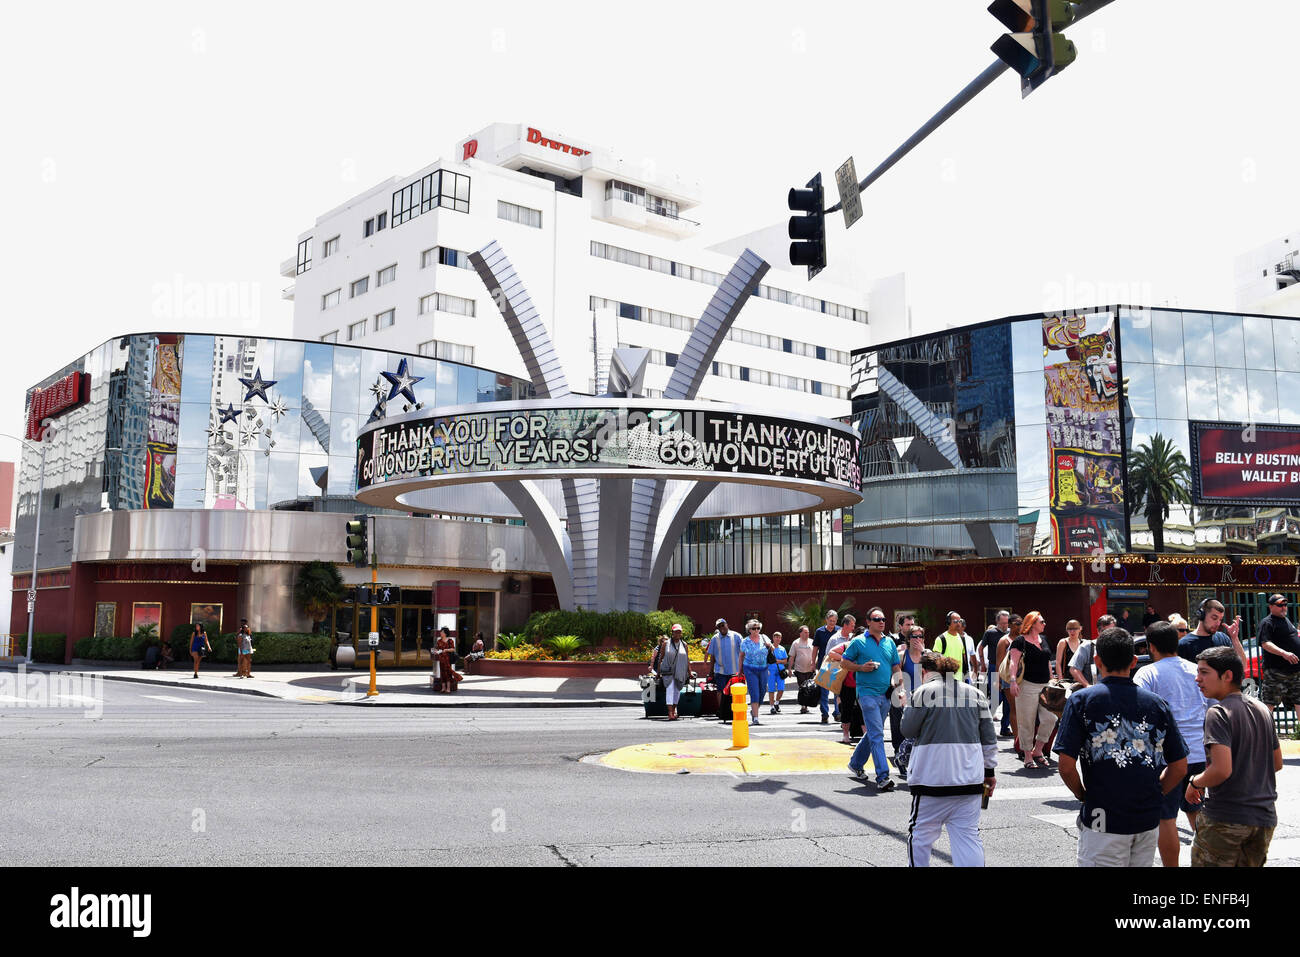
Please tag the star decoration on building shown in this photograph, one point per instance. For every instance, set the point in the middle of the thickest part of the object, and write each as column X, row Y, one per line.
column 378, row 390
column 257, row 385
column 402, row 382
column 249, row 434
column 214, row 430
column 230, row 413
column 279, row 408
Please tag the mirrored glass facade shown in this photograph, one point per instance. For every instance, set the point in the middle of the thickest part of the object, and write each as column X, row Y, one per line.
column 938, row 419
column 223, row 422
column 1018, row 437
column 1183, row 366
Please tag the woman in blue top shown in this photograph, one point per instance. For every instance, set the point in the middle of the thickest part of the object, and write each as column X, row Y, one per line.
column 753, row 651
column 775, row 680
column 198, row 642
column 912, row 677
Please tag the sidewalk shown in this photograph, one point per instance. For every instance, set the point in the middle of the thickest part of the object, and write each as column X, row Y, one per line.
column 318, row 684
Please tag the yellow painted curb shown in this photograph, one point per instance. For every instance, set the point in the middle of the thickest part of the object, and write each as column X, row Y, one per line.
column 1289, row 746
column 717, row 756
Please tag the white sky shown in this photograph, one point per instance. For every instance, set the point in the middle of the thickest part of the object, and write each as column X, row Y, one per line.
column 148, row 144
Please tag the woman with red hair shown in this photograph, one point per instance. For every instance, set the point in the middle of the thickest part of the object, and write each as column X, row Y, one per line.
column 1030, row 652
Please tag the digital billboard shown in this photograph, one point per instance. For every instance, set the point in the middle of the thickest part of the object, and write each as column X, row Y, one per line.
column 1240, row 463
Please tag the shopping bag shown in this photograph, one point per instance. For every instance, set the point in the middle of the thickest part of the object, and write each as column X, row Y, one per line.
column 831, row 675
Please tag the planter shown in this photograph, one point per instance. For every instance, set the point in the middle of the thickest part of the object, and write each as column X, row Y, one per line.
column 504, row 668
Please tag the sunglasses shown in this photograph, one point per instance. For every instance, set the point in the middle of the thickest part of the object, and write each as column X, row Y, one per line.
column 1279, row 604
column 876, row 619
column 1183, row 631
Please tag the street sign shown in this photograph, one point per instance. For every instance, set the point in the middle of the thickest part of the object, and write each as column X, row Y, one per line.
column 31, row 606
column 374, row 639
column 846, row 178
column 31, row 594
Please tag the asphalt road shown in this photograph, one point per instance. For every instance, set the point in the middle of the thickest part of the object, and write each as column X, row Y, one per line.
column 184, row 777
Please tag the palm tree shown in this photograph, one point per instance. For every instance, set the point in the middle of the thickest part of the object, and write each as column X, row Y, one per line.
column 1158, row 475
column 812, row 612
column 318, row 587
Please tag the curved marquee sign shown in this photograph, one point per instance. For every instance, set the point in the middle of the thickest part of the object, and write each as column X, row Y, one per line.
column 572, row 437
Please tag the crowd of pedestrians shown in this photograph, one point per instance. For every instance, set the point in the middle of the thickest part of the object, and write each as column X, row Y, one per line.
column 1136, row 741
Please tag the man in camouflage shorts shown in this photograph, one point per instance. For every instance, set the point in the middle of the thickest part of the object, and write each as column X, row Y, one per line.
column 1281, row 656
column 1231, row 845
column 1242, row 756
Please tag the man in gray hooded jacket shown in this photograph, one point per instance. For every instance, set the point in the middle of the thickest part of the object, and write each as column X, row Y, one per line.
column 952, row 763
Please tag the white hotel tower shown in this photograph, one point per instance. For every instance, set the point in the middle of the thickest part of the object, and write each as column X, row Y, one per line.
column 609, row 254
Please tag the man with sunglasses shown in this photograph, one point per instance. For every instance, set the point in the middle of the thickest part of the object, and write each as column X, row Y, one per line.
column 1281, row 651
column 874, row 659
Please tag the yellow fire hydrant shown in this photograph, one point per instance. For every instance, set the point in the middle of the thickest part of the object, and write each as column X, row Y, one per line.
column 739, row 715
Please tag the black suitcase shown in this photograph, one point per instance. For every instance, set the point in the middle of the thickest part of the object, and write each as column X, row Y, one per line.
column 150, row 658
column 652, row 696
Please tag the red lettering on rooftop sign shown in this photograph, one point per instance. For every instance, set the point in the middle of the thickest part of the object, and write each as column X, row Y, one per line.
column 471, row 148
column 535, row 136
column 54, row 400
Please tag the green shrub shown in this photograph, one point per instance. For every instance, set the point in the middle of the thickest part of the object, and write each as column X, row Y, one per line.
column 598, row 628
column 272, row 648
column 48, row 647
column 181, row 636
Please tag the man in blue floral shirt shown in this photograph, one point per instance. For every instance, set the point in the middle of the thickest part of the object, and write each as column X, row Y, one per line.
column 1128, row 745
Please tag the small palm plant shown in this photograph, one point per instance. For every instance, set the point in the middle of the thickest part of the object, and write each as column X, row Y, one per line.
column 511, row 641
column 146, row 633
column 812, row 612
column 565, row 645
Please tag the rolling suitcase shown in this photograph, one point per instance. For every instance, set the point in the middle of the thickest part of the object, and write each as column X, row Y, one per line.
column 690, row 701
column 150, row 658
column 652, row 697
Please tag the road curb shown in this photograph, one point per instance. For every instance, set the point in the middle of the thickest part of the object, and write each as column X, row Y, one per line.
column 295, row 693
column 145, row 681
column 550, row 703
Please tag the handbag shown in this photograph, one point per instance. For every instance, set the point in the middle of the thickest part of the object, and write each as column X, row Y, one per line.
column 1004, row 669
column 1052, row 697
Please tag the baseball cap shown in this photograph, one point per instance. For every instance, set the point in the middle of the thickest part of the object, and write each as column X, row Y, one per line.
column 676, row 627
column 1274, row 599
column 720, row 621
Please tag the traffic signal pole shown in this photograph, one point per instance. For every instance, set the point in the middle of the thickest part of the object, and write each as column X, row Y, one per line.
column 374, row 609
column 972, row 90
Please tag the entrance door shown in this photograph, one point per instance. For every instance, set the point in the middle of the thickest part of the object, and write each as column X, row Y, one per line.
column 413, row 643
column 477, row 613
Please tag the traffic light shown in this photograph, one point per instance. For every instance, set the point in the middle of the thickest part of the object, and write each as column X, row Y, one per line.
column 1035, row 48
column 364, row 595
column 809, row 230
column 357, row 540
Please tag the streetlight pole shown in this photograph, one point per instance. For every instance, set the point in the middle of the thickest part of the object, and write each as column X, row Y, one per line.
column 48, row 431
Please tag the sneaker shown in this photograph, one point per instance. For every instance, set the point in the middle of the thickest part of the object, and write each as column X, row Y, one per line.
column 776, row 709
column 859, row 773
column 825, row 719
column 885, row 785
column 773, row 710
column 755, row 723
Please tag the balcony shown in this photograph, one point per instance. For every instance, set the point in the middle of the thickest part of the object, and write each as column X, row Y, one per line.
column 287, row 292
column 289, row 267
